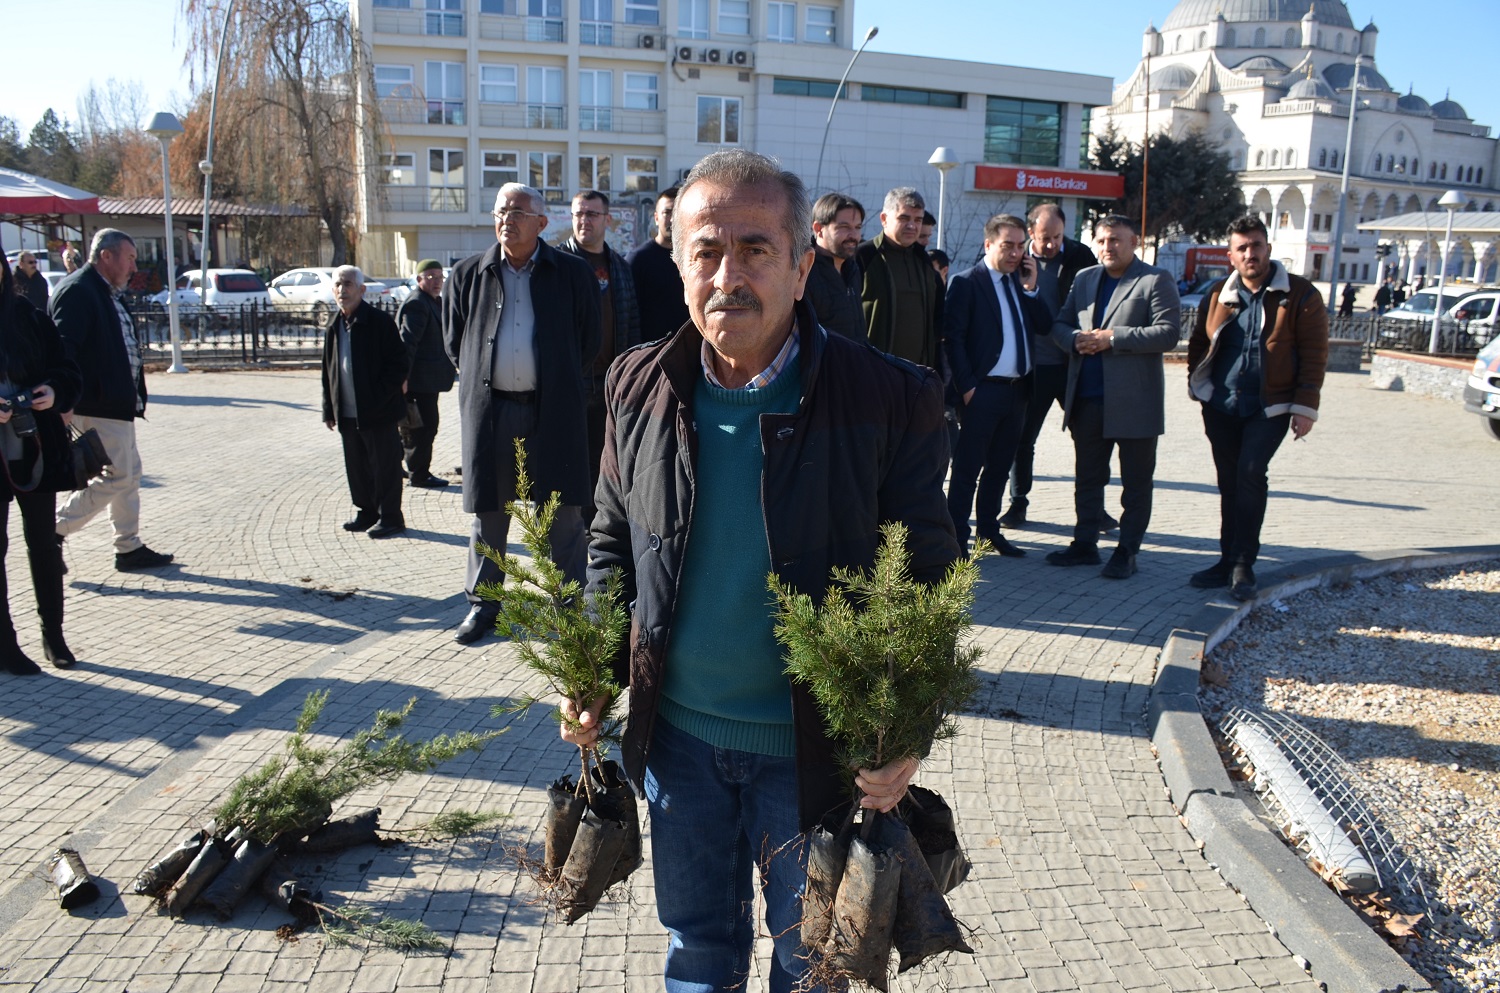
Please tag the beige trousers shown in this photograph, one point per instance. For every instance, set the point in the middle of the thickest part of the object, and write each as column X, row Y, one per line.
column 119, row 489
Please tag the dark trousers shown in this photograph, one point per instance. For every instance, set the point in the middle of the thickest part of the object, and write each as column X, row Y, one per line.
column 989, row 430
column 1242, row 447
column 569, row 541
column 372, row 463
column 1049, row 385
column 1091, row 454
column 417, row 443
column 595, row 418
column 38, row 526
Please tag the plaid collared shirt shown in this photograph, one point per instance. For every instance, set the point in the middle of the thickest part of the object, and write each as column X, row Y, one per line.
column 766, row 376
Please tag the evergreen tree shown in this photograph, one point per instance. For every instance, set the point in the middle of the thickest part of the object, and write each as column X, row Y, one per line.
column 12, row 152
column 51, row 150
column 1192, row 190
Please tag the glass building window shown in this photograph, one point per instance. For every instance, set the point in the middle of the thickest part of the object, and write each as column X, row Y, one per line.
column 786, row 86
column 445, row 92
column 394, row 81
column 498, row 84
column 822, row 26
column 1026, row 132
column 544, row 171
column 640, row 174
column 719, row 120
column 445, row 17
column 734, row 17
column 692, row 18
column 501, row 168
column 781, row 21
column 398, row 168
column 593, row 173
column 642, row 12
column 908, row 95
column 641, row 90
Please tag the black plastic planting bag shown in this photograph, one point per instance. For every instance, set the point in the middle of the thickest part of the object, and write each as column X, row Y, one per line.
column 864, row 916
column 592, row 841
column 827, row 851
column 155, row 879
column 346, row 832
column 924, row 926
column 234, row 882
column 932, row 825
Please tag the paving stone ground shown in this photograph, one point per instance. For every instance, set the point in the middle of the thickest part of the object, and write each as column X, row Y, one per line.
column 1084, row 877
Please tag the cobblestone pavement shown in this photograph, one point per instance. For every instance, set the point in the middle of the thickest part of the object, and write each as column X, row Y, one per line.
column 1084, row 876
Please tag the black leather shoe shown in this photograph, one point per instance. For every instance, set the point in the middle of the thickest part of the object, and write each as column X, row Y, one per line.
column 56, row 650
column 480, row 622
column 1121, row 565
column 1107, row 524
column 361, row 522
column 1014, row 519
column 429, row 483
column 1242, row 583
column 15, row 662
column 1003, row 547
column 1212, row 578
column 387, row 530
column 1075, row 554
column 141, row 558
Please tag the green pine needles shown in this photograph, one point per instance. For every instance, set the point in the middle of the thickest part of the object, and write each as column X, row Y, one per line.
column 294, row 793
column 567, row 639
column 882, row 655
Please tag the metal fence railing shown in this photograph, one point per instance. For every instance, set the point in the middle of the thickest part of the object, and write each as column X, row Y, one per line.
column 1460, row 338
column 246, row 335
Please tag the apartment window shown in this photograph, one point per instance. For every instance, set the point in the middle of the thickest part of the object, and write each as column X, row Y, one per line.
column 544, row 97
column 734, row 16
column 595, row 89
column 1083, row 136
column 640, row 90
column 445, row 179
column 642, row 12
column 822, row 26
column 500, row 168
column 596, row 22
column 593, row 173
column 546, row 22
column 692, row 18
column 445, row 93
column 497, row 6
column 544, row 172
column 781, row 21
column 394, row 4
column 445, row 17
column 394, row 81
column 719, row 120
column 640, row 174
column 788, row 87
column 1027, row 132
column 398, row 168
column 902, row 94
column 498, row 84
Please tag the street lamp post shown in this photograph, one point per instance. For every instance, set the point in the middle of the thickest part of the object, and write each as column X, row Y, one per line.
column 1451, row 201
column 206, row 166
column 944, row 160
column 833, row 105
column 164, row 127
column 1338, row 220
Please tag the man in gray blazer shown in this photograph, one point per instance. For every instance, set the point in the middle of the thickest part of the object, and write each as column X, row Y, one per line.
column 1117, row 320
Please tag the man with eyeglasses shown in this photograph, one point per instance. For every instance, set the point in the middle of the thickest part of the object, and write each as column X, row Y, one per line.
column 30, row 283
column 521, row 321
column 619, row 319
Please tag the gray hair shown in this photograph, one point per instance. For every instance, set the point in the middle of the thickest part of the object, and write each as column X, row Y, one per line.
column 736, row 167
column 538, row 202
column 359, row 277
column 107, row 240
column 902, row 196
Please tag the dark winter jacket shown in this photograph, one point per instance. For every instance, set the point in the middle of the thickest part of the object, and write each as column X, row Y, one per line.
column 622, row 289
column 834, row 295
column 866, row 446
column 83, row 308
column 379, row 368
column 565, row 300
column 878, row 298
column 32, row 354
column 420, row 321
column 33, row 288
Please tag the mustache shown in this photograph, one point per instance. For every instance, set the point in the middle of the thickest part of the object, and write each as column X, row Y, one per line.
column 739, row 299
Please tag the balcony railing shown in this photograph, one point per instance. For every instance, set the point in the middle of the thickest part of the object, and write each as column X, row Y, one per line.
column 543, row 115
column 445, row 112
column 424, row 199
column 505, row 27
column 439, row 23
column 619, row 121
column 617, row 34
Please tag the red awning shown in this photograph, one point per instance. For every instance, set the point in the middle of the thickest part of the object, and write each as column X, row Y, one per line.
column 25, row 195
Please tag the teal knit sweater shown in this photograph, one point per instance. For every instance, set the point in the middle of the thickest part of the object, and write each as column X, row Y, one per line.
column 725, row 681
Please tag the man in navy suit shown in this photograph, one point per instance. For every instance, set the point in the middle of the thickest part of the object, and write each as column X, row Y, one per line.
column 989, row 316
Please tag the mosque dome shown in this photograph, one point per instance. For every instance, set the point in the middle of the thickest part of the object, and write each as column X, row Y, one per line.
column 1413, row 104
column 1449, row 110
column 1192, row 13
column 1262, row 63
column 1176, row 77
column 1311, row 88
column 1340, row 74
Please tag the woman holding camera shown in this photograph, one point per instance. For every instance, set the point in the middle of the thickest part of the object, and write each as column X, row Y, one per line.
column 37, row 382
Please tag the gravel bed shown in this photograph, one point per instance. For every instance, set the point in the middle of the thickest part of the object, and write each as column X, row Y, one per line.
column 1401, row 676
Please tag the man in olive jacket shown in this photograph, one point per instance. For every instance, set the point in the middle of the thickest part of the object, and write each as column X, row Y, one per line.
column 522, row 324
column 750, row 441
column 1256, row 359
column 364, row 365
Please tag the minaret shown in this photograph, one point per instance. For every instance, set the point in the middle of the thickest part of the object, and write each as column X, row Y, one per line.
column 1309, row 29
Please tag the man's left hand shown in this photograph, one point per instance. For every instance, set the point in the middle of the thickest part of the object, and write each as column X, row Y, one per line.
column 883, row 788
column 1301, row 426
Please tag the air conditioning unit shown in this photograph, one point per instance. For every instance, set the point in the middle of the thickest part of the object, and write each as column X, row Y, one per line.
column 739, row 58
column 646, row 41
column 684, row 53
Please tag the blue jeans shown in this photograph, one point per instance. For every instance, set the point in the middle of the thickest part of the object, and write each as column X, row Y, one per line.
column 715, row 814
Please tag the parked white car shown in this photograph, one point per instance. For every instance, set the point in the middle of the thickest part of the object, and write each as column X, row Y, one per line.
column 1476, row 314
column 227, row 288
column 310, row 292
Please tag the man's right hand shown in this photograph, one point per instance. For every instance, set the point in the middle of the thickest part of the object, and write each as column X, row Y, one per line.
column 586, row 721
column 969, row 395
column 328, row 424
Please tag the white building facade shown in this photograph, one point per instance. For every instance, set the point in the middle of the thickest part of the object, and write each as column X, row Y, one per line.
column 1271, row 82
column 625, row 96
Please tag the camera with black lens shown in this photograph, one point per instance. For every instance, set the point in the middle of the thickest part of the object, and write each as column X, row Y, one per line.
column 22, row 420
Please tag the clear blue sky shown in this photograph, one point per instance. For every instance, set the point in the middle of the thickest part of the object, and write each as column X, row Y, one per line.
column 1437, row 46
